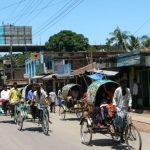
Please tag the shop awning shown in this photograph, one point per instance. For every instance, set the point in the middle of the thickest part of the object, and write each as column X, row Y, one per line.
column 106, row 72
column 38, row 77
column 96, row 76
column 58, row 76
column 48, row 77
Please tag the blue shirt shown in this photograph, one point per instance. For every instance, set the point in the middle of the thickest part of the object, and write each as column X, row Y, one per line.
column 30, row 95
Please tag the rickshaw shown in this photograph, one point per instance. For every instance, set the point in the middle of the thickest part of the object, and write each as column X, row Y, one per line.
column 88, row 122
column 71, row 95
column 24, row 112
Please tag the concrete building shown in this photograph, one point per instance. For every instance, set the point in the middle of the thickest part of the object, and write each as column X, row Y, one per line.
column 55, row 68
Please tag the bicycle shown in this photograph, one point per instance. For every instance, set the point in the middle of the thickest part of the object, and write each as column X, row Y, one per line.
column 41, row 114
column 131, row 135
column 13, row 110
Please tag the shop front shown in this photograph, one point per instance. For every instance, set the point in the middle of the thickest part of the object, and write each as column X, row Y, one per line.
column 136, row 65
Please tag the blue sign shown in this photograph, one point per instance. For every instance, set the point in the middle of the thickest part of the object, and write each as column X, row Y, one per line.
column 129, row 59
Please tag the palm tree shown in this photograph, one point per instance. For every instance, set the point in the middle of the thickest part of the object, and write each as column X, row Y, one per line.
column 118, row 38
column 145, row 41
column 133, row 43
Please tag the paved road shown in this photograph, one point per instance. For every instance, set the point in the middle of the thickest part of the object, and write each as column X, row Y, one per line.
column 64, row 135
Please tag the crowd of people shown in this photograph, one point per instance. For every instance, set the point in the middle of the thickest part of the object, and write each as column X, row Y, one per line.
column 34, row 96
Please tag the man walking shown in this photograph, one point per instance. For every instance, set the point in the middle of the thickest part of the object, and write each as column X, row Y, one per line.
column 53, row 99
column 135, row 93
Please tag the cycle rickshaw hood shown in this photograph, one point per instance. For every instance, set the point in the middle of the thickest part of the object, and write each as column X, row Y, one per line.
column 95, row 87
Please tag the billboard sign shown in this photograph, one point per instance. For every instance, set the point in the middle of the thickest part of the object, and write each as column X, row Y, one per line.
column 10, row 34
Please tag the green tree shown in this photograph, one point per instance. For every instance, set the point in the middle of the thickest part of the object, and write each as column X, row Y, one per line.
column 67, row 40
column 133, row 43
column 18, row 59
column 118, row 38
column 145, row 41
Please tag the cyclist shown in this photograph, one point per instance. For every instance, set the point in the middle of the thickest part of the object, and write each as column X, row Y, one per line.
column 14, row 96
column 122, row 102
column 39, row 97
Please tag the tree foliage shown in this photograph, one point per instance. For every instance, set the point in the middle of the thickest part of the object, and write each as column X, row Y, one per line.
column 17, row 59
column 67, row 40
column 133, row 43
column 118, row 38
column 127, row 42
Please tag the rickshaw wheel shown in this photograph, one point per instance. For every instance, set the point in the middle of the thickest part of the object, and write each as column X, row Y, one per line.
column 86, row 132
column 62, row 113
column 45, row 124
column 19, row 121
column 78, row 113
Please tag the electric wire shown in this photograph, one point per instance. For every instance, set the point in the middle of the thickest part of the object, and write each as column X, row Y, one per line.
column 59, row 14
column 62, row 16
column 26, row 8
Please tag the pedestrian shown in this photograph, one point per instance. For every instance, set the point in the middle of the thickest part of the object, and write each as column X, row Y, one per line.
column 53, row 99
column 59, row 97
column 5, row 98
column 135, row 94
column 122, row 102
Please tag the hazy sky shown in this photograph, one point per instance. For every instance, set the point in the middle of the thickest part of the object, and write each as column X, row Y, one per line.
column 93, row 18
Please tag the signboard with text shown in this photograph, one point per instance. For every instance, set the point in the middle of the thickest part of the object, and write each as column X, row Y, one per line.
column 129, row 59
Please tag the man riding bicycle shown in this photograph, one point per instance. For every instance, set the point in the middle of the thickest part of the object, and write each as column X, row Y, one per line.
column 122, row 102
column 39, row 97
column 14, row 97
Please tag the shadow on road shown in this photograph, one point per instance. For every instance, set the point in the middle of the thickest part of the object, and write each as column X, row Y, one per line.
column 8, row 121
column 109, row 142
column 34, row 129
column 71, row 119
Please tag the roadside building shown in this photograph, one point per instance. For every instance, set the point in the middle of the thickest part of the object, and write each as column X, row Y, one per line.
column 55, row 69
column 133, row 65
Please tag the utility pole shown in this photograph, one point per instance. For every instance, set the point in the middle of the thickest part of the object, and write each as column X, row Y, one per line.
column 11, row 65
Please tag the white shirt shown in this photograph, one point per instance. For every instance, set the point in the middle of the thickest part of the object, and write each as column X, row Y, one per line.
column 53, row 96
column 122, row 102
column 5, row 95
column 59, row 94
column 135, row 89
column 41, row 99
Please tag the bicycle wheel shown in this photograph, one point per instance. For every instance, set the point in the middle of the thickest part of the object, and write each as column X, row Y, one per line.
column 62, row 113
column 133, row 138
column 19, row 121
column 114, row 133
column 45, row 124
column 86, row 132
